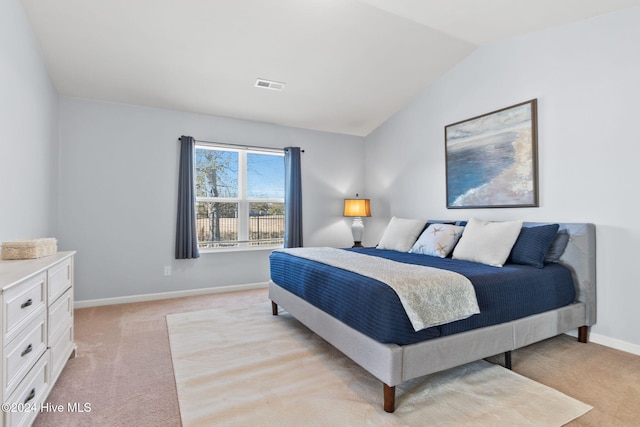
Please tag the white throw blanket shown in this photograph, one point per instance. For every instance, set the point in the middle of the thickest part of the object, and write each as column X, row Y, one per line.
column 430, row 296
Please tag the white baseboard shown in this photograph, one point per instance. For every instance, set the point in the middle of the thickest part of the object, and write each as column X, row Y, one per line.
column 167, row 295
column 615, row 343
column 610, row 342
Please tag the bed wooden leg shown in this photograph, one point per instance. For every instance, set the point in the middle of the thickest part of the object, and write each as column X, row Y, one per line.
column 274, row 308
column 583, row 334
column 389, row 398
column 507, row 360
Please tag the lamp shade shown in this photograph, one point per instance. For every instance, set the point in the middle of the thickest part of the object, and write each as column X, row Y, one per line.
column 357, row 207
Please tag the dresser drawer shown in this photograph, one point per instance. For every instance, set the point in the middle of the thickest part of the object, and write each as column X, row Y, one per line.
column 61, row 349
column 21, row 353
column 20, row 304
column 60, row 315
column 30, row 394
column 59, row 279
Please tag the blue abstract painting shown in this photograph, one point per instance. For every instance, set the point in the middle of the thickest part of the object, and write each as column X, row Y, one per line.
column 491, row 160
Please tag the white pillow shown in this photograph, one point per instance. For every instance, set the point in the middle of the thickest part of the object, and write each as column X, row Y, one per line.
column 401, row 234
column 437, row 240
column 487, row 242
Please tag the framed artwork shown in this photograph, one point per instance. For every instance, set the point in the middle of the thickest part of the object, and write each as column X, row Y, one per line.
column 492, row 159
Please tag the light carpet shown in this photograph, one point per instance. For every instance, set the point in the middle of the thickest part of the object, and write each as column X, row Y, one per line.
column 244, row 366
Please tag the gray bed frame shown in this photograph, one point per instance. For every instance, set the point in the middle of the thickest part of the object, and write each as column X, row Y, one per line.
column 393, row 364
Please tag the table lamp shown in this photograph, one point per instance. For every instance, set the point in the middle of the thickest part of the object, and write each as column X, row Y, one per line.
column 357, row 208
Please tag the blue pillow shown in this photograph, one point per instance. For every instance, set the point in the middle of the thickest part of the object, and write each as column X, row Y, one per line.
column 533, row 244
column 557, row 247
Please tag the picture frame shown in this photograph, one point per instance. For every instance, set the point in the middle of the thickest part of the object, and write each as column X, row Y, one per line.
column 492, row 159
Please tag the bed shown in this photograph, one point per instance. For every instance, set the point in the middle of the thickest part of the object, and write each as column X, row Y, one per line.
column 357, row 321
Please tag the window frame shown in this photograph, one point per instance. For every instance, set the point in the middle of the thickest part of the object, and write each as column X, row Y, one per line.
column 243, row 212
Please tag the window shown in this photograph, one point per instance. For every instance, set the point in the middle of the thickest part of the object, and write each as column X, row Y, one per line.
column 239, row 197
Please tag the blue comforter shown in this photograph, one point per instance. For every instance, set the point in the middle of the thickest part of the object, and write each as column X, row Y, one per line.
column 373, row 308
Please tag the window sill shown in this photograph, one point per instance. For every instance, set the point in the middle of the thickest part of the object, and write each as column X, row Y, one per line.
column 241, row 249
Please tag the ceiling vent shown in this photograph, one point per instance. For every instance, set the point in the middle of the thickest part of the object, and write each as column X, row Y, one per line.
column 269, row 84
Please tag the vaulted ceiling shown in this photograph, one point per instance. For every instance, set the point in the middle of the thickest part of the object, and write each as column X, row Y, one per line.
column 347, row 65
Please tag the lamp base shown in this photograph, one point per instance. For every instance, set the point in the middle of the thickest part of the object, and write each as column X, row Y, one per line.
column 357, row 229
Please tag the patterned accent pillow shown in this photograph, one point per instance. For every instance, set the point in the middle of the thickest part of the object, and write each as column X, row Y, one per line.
column 437, row 240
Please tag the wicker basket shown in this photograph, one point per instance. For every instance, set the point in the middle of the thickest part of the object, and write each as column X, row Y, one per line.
column 29, row 249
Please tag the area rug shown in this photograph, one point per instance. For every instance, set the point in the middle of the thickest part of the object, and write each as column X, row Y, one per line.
column 244, row 367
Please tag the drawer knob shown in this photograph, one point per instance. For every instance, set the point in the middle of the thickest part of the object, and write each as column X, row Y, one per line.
column 32, row 394
column 27, row 303
column 27, row 350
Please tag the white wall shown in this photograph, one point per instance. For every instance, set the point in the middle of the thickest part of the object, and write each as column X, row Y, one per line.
column 28, row 131
column 118, row 180
column 586, row 79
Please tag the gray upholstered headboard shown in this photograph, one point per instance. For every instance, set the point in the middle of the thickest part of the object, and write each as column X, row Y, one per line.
column 580, row 257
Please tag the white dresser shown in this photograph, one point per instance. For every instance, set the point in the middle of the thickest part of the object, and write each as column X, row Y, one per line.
column 36, row 318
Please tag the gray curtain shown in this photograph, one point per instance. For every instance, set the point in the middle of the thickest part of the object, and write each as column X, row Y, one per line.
column 292, row 198
column 186, row 237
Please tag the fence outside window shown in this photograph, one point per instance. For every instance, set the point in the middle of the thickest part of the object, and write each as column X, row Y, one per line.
column 263, row 230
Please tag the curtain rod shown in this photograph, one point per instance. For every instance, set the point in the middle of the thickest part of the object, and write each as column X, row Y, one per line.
column 246, row 147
